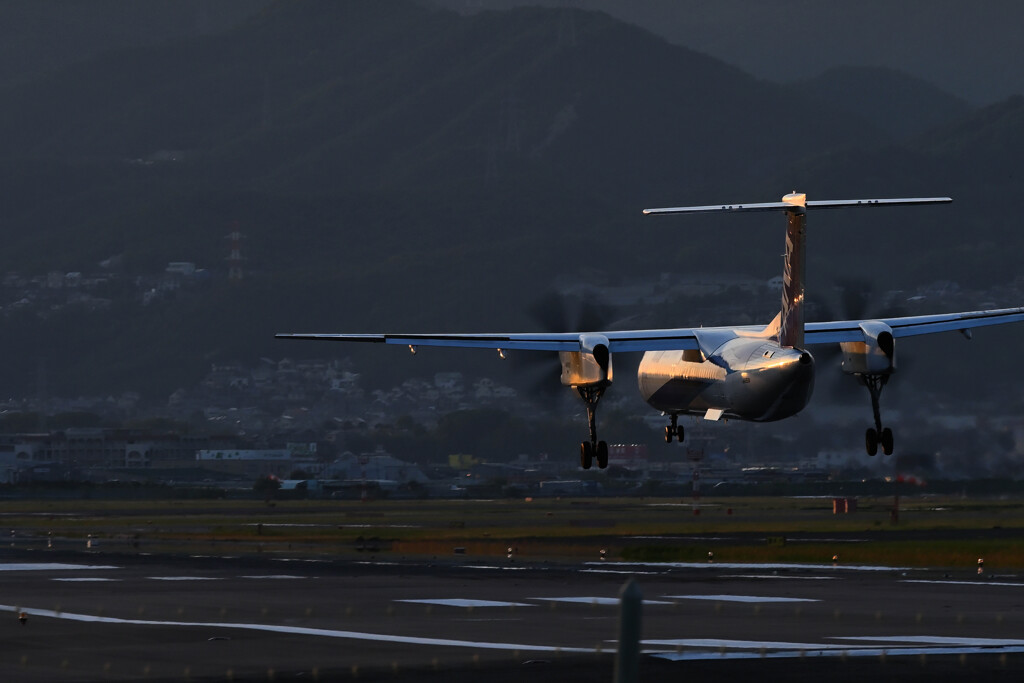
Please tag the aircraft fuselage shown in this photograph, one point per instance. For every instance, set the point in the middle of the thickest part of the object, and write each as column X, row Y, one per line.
column 747, row 379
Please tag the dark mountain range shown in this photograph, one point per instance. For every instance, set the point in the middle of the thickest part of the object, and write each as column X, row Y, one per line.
column 975, row 55
column 393, row 165
column 38, row 36
column 900, row 105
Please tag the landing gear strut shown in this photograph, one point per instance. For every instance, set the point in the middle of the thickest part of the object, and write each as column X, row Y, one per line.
column 876, row 435
column 589, row 450
column 674, row 430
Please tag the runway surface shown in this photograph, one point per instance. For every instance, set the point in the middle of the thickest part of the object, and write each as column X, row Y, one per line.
column 95, row 616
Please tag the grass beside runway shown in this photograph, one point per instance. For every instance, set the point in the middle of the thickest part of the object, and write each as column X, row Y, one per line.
column 931, row 531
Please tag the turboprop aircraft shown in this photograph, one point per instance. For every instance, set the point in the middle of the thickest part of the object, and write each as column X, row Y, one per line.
column 752, row 373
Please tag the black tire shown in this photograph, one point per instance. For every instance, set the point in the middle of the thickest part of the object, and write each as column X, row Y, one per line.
column 886, row 440
column 602, row 454
column 668, row 434
column 680, row 433
column 586, row 455
column 871, row 441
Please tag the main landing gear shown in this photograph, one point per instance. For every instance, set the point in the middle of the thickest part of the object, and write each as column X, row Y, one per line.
column 674, row 430
column 593, row 449
column 877, row 436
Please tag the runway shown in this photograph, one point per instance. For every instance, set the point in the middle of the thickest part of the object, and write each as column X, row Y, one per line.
column 94, row 616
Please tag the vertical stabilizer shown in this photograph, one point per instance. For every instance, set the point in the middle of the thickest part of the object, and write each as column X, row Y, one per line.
column 791, row 328
column 791, row 319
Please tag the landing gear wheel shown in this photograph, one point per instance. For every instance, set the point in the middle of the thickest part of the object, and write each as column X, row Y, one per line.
column 674, row 430
column 871, row 441
column 886, row 440
column 602, row 454
column 586, row 455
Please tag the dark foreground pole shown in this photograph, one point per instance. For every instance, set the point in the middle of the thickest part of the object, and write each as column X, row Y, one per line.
column 627, row 659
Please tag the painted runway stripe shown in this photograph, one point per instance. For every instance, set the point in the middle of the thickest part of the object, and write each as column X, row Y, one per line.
column 738, row 598
column 939, row 640
column 967, row 583
column 299, row 630
column 82, row 579
column 753, row 566
column 183, row 578
column 718, row 644
column 488, row 566
column 598, row 601
column 310, row 560
column 49, row 567
column 778, row 576
column 275, row 576
column 463, row 602
column 825, row 652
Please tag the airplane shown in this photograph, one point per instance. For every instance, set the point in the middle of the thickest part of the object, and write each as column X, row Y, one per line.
column 750, row 373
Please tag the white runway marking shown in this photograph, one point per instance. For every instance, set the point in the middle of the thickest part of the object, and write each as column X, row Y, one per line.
column 718, row 644
column 739, row 598
column 274, row 576
column 182, row 578
column 752, row 566
column 598, row 601
column 713, row 648
column 966, row 583
column 619, row 571
column 310, row 560
column 83, row 579
column 777, row 576
column 939, row 640
column 487, row 566
column 49, row 566
column 824, row 651
column 463, row 602
column 299, row 630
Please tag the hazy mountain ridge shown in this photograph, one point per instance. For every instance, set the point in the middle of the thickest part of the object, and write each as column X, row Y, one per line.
column 901, row 105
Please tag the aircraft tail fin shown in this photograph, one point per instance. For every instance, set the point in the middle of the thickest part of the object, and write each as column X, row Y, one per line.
column 791, row 325
column 791, row 320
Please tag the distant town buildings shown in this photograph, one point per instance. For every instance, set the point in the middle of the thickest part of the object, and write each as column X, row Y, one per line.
column 262, row 409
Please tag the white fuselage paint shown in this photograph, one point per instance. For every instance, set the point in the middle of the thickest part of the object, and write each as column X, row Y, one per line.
column 746, row 378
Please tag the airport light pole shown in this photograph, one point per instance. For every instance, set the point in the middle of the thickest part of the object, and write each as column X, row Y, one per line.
column 627, row 658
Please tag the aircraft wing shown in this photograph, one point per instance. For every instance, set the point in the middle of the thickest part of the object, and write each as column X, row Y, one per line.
column 618, row 341
column 909, row 326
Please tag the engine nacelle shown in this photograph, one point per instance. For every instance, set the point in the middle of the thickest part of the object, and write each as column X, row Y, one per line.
column 876, row 355
column 590, row 366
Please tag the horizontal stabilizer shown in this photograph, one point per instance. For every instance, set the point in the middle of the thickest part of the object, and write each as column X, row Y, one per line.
column 816, row 204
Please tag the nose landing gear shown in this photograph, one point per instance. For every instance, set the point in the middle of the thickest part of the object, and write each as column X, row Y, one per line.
column 674, row 430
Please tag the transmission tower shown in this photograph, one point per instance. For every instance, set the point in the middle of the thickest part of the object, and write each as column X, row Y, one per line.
column 235, row 257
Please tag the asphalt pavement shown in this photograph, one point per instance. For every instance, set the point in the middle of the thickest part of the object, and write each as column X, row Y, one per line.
column 94, row 616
